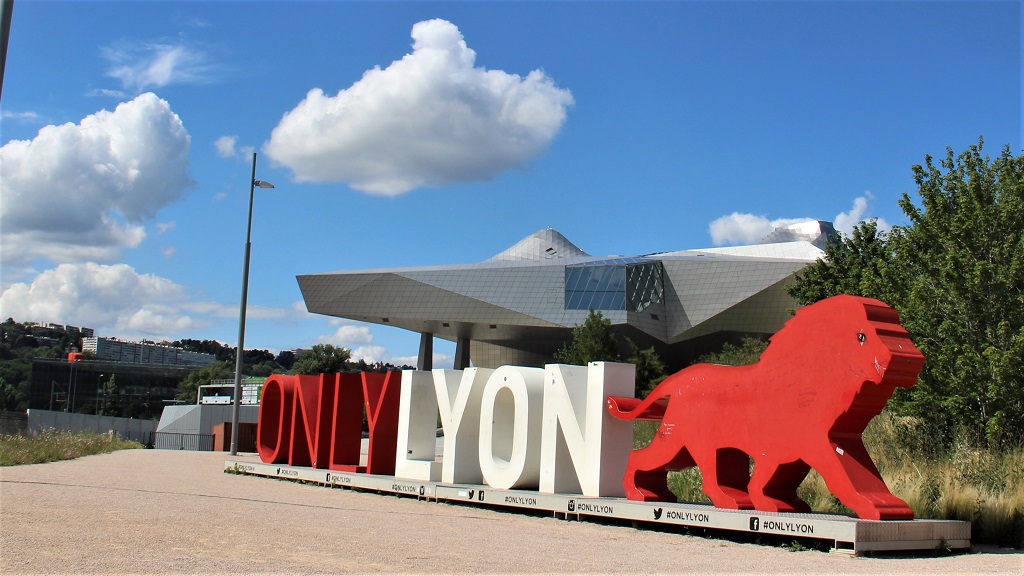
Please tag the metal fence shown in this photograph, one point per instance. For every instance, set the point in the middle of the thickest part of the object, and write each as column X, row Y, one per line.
column 127, row 428
column 181, row 441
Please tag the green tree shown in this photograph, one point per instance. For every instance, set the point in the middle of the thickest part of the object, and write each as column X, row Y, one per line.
column 8, row 396
column 220, row 351
column 17, row 372
column 592, row 341
column 110, row 403
column 264, row 369
column 189, row 386
column 855, row 264
column 955, row 273
column 322, row 359
column 960, row 274
column 748, row 352
column 650, row 370
column 286, row 359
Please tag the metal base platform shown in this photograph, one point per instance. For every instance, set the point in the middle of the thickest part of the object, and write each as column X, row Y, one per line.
column 842, row 533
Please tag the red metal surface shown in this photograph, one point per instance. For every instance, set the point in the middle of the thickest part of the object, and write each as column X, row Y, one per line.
column 382, row 393
column 274, row 424
column 347, row 424
column 316, row 421
column 805, row 404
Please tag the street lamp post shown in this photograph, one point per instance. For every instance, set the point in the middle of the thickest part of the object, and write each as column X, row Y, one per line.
column 253, row 184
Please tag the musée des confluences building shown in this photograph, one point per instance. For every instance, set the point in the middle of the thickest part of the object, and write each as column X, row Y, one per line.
column 519, row 307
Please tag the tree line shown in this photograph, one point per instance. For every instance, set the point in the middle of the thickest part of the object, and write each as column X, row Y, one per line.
column 21, row 343
column 955, row 273
column 320, row 359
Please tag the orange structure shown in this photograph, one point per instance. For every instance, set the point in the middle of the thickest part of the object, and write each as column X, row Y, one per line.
column 805, row 404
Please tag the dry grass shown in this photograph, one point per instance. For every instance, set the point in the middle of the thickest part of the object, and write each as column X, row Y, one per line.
column 53, row 445
column 963, row 482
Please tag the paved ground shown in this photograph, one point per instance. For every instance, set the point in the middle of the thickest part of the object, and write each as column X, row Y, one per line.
column 162, row 512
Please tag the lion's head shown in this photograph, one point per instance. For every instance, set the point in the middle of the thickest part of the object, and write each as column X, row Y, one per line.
column 851, row 337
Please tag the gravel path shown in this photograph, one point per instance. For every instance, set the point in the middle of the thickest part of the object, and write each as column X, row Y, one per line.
column 170, row 512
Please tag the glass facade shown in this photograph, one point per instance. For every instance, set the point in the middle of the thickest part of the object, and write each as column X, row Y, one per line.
column 620, row 284
column 646, row 285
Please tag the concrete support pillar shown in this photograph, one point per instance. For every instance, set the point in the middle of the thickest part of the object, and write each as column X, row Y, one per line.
column 461, row 353
column 425, row 361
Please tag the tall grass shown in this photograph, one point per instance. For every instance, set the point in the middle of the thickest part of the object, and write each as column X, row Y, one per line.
column 965, row 481
column 53, row 445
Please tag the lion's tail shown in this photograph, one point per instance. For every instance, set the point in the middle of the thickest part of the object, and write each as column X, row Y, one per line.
column 650, row 408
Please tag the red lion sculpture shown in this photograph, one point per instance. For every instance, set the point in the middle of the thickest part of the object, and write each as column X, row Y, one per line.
column 803, row 405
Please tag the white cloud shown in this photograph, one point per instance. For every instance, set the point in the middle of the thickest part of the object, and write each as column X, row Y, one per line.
column 737, row 228
column 357, row 337
column 227, row 148
column 154, row 65
column 348, row 335
column 845, row 221
column 744, row 228
column 112, row 299
column 168, row 251
column 118, row 94
column 19, row 115
column 370, row 354
column 429, row 119
column 298, row 310
column 80, row 192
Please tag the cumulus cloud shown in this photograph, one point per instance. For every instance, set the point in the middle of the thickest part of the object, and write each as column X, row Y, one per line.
column 227, row 148
column 114, row 299
column 430, row 119
column 745, row 228
column 80, row 192
column 358, row 338
column 347, row 335
column 846, row 221
column 117, row 300
column 140, row 66
column 737, row 228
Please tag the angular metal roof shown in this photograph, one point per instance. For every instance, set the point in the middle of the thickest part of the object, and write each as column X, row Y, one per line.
column 519, row 297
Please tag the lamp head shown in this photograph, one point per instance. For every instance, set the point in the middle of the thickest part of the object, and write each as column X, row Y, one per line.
column 262, row 184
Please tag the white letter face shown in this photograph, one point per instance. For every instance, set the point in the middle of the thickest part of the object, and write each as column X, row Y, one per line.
column 510, row 427
column 417, row 428
column 458, row 397
column 585, row 448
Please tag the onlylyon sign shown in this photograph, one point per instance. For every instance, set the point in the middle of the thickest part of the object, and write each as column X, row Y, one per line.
column 567, row 429
column 545, row 429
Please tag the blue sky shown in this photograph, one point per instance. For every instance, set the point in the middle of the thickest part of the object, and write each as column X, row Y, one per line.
column 402, row 134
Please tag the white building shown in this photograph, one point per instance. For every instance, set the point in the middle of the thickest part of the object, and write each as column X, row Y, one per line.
column 520, row 306
column 139, row 353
